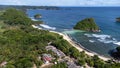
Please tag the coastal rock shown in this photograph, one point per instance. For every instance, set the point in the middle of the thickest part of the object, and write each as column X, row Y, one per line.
column 87, row 24
column 37, row 22
column 37, row 16
column 118, row 19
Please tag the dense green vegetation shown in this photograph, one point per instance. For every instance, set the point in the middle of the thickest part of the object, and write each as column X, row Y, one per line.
column 60, row 65
column 21, row 45
column 15, row 17
column 28, row 7
column 24, row 43
column 87, row 24
column 37, row 22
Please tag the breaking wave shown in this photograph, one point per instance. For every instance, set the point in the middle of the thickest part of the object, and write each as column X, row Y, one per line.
column 92, row 41
column 117, row 43
column 102, row 38
column 47, row 27
column 33, row 19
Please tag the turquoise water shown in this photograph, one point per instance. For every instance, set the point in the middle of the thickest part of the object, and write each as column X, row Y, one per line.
column 64, row 19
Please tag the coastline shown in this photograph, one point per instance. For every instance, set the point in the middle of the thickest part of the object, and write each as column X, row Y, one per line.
column 77, row 45
column 80, row 47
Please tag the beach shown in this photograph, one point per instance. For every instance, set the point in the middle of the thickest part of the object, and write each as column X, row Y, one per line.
column 80, row 47
column 76, row 45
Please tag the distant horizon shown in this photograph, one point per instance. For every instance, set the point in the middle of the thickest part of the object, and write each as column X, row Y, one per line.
column 58, row 6
column 68, row 3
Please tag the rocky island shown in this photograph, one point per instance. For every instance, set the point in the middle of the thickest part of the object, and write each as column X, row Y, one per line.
column 87, row 24
column 37, row 16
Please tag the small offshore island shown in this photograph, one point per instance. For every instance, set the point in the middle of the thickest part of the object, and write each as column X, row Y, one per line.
column 37, row 16
column 22, row 46
column 87, row 24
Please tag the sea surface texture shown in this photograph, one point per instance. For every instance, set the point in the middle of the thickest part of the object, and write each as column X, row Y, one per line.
column 65, row 18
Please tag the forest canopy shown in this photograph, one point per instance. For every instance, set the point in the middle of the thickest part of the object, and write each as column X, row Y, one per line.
column 15, row 17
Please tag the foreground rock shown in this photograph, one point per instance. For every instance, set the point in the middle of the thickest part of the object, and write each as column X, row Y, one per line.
column 87, row 24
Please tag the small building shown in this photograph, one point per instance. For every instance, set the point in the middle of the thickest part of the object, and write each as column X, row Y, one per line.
column 46, row 58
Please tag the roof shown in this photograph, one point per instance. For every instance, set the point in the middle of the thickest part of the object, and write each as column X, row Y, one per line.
column 47, row 57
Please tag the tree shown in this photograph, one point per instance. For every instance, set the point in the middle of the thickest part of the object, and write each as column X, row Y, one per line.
column 95, row 58
column 82, row 54
column 118, row 49
column 74, row 52
column 9, row 66
column 90, row 62
column 60, row 65
column 63, row 45
column 81, row 62
column 24, row 63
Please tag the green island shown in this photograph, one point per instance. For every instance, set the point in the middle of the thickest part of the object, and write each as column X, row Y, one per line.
column 22, row 46
column 37, row 16
column 87, row 24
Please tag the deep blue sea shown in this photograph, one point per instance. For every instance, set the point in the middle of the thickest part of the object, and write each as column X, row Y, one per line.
column 65, row 18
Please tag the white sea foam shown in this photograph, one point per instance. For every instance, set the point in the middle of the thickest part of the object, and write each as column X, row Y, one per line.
column 98, row 36
column 88, row 35
column 107, row 41
column 32, row 18
column 47, row 27
column 117, row 43
column 114, row 39
column 92, row 41
column 36, row 27
column 103, row 38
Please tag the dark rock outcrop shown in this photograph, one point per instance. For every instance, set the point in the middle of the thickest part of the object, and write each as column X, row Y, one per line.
column 118, row 19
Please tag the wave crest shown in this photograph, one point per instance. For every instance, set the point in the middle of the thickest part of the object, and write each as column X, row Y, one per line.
column 103, row 38
column 47, row 27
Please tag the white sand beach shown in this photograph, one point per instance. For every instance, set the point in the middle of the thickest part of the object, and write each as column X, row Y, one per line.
column 66, row 37
column 79, row 47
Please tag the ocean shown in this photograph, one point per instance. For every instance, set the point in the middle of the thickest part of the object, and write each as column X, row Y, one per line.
column 65, row 18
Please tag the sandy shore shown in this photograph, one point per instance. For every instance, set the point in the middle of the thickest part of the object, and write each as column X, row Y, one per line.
column 77, row 46
column 80, row 47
